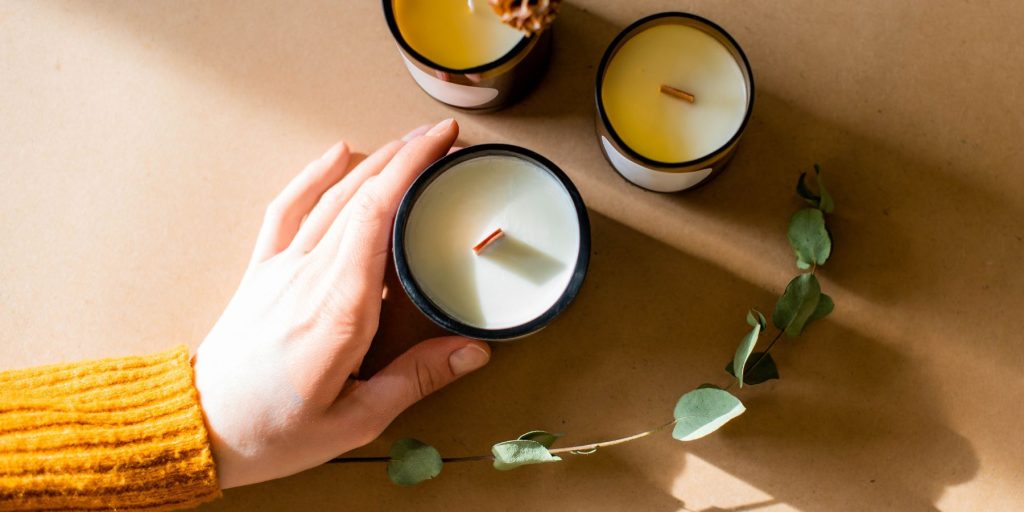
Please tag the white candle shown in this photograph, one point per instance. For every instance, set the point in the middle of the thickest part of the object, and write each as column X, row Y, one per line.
column 526, row 269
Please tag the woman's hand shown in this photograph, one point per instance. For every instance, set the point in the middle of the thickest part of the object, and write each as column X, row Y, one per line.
column 276, row 374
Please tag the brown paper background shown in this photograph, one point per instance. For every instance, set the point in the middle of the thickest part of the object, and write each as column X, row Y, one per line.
column 140, row 141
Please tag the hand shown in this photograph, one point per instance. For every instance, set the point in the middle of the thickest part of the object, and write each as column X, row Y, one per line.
column 276, row 374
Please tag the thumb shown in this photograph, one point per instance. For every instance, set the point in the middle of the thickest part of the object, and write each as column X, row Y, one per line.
column 421, row 370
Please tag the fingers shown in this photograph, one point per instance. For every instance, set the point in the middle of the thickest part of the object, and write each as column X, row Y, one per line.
column 420, row 371
column 416, row 132
column 332, row 201
column 285, row 212
column 363, row 242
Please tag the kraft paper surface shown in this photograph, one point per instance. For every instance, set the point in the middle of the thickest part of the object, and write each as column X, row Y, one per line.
column 141, row 141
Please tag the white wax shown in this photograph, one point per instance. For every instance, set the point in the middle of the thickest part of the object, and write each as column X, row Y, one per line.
column 518, row 277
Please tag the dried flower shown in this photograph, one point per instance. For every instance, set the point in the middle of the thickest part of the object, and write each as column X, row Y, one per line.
column 529, row 16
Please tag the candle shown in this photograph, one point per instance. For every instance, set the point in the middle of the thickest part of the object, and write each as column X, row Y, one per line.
column 461, row 54
column 492, row 242
column 458, row 34
column 674, row 93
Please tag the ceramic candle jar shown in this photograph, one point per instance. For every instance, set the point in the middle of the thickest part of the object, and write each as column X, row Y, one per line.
column 492, row 242
column 674, row 94
column 461, row 54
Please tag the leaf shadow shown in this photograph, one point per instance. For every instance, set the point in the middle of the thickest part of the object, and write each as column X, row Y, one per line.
column 851, row 417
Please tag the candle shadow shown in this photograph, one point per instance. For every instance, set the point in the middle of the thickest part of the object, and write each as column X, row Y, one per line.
column 648, row 326
column 567, row 90
column 523, row 259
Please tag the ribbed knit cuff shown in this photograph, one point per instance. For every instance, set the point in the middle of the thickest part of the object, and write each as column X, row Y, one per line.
column 124, row 434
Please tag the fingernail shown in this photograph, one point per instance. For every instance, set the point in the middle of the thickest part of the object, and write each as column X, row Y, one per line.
column 467, row 359
column 416, row 133
column 440, row 128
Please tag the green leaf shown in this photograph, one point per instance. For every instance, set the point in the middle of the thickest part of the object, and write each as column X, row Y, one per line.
column 413, row 461
column 703, row 411
column 753, row 320
column 826, row 204
column 545, row 438
column 764, row 371
column 804, row 192
column 739, row 360
column 822, row 200
column 809, row 238
column 797, row 304
column 824, row 307
column 512, row 454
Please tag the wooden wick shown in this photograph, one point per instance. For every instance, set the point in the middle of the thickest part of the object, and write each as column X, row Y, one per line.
column 678, row 93
column 496, row 234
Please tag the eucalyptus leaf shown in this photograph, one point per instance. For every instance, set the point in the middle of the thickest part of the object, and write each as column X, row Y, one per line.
column 821, row 200
column 413, row 461
column 824, row 307
column 754, row 317
column 809, row 238
column 764, row 370
column 545, row 438
column 803, row 191
column 512, row 454
column 739, row 360
column 797, row 304
column 703, row 411
column 826, row 204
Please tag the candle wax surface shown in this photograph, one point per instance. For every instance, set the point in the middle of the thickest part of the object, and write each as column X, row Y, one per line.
column 662, row 127
column 516, row 278
column 454, row 35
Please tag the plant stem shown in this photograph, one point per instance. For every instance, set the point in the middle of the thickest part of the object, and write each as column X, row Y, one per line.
column 347, row 460
column 580, row 448
column 771, row 344
column 350, row 460
column 613, row 442
column 759, row 358
column 470, row 458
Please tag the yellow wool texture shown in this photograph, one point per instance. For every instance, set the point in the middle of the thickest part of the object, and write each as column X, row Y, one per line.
column 114, row 434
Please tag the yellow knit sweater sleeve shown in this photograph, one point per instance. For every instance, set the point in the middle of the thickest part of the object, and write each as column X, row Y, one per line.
column 115, row 434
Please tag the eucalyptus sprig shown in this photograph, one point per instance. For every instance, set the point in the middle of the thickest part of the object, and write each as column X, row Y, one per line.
column 698, row 412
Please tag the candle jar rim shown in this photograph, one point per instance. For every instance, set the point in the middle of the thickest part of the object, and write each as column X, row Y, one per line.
column 396, row 32
column 437, row 314
column 621, row 38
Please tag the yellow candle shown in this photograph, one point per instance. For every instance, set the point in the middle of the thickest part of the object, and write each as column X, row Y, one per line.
column 667, row 127
column 457, row 34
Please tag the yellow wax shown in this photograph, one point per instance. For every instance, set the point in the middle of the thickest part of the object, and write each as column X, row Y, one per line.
column 662, row 127
column 457, row 34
